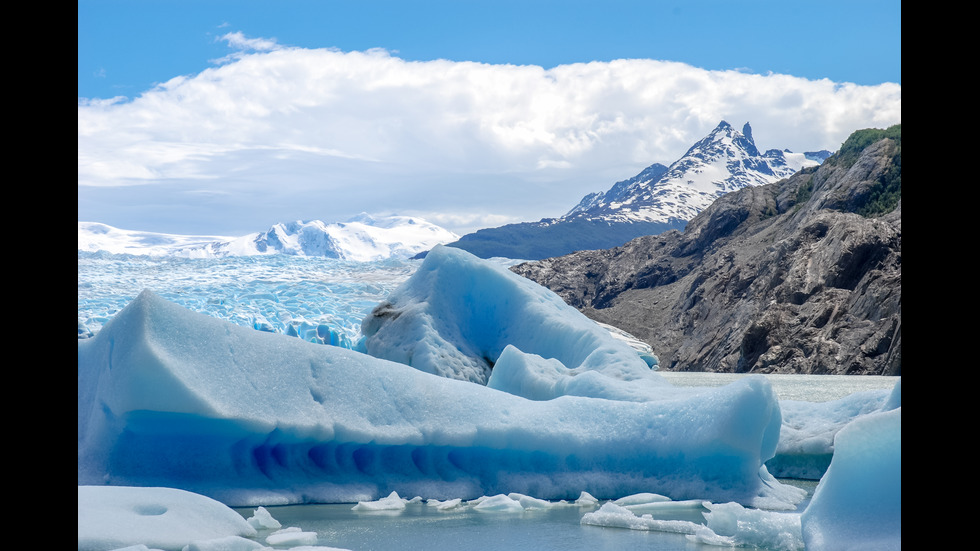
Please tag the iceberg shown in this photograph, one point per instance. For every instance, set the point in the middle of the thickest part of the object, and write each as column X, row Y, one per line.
column 806, row 438
column 169, row 397
column 456, row 315
column 858, row 502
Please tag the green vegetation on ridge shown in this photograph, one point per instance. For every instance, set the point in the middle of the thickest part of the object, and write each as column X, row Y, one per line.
column 884, row 196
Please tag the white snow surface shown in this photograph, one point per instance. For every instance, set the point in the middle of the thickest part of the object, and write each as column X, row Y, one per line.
column 363, row 238
column 93, row 236
column 723, row 161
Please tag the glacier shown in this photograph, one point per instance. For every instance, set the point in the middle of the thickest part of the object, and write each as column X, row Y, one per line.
column 172, row 398
column 362, row 238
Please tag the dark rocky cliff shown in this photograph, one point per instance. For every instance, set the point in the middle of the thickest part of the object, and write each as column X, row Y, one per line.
column 800, row 276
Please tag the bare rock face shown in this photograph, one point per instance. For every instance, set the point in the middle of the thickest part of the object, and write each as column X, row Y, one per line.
column 800, row 276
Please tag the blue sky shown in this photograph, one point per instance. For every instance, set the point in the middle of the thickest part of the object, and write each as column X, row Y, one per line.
column 133, row 50
column 126, row 46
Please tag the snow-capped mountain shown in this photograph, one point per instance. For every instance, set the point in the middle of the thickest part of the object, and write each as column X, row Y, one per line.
column 658, row 199
column 725, row 160
column 362, row 238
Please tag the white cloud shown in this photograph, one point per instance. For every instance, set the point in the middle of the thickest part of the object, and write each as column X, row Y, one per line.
column 239, row 41
column 521, row 142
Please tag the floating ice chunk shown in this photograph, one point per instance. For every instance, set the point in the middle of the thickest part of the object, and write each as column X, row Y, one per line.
column 111, row 517
column 499, row 503
column 615, row 516
column 858, row 503
column 455, row 315
column 731, row 524
column 291, row 537
column 529, row 502
column 728, row 524
column 261, row 519
column 640, row 498
column 447, row 505
column 585, row 499
column 390, row 503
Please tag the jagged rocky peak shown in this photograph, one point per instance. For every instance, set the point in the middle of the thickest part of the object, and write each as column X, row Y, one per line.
column 723, row 161
column 658, row 199
column 725, row 137
column 799, row 276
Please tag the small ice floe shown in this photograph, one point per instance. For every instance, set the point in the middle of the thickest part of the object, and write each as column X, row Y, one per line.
column 291, row 537
column 261, row 519
column 447, row 505
column 528, row 502
column 616, row 516
column 498, row 503
column 727, row 524
column 391, row 503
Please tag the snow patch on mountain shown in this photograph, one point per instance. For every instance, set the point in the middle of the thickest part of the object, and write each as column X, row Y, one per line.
column 723, row 161
column 363, row 238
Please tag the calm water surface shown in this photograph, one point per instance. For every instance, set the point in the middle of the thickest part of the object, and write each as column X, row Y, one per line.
column 807, row 388
column 420, row 527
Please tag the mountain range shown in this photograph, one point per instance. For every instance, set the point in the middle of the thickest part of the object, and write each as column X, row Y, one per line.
column 362, row 238
column 658, row 199
column 800, row 276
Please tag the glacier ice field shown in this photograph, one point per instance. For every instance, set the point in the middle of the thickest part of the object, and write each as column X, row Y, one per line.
column 318, row 299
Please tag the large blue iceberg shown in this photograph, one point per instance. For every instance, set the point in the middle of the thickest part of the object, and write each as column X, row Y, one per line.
column 169, row 397
column 464, row 318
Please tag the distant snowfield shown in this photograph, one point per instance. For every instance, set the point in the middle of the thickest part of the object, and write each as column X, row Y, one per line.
column 93, row 237
column 363, row 238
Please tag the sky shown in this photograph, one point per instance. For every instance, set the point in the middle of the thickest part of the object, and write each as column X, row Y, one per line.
column 215, row 117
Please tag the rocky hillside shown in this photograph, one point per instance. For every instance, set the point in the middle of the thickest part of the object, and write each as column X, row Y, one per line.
column 800, row 276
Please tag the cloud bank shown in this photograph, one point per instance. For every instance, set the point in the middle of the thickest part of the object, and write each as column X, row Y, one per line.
column 276, row 133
